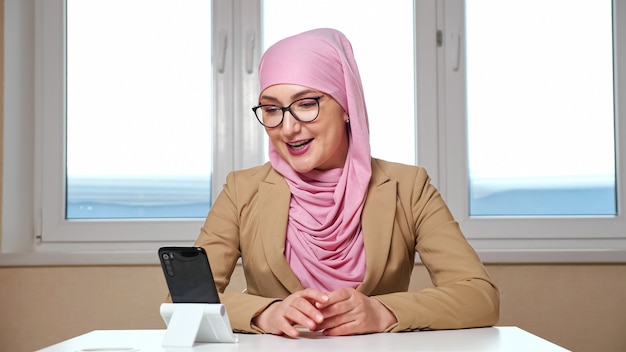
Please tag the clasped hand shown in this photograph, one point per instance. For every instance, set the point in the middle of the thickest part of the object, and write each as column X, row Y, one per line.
column 345, row 311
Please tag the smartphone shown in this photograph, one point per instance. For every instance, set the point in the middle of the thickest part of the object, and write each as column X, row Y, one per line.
column 188, row 275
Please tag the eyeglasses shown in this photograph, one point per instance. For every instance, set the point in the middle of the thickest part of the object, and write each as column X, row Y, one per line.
column 303, row 110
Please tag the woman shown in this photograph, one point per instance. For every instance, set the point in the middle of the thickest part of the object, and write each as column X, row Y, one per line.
column 327, row 234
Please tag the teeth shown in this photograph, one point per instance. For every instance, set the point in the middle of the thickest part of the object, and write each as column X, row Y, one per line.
column 299, row 144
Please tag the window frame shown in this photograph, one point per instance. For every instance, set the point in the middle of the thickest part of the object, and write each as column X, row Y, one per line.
column 440, row 143
column 523, row 238
column 235, row 147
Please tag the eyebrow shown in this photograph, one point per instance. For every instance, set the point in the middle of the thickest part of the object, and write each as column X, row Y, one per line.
column 296, row 96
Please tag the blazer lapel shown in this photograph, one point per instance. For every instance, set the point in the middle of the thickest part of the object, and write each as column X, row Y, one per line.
column 274, row 198
column 377, row 222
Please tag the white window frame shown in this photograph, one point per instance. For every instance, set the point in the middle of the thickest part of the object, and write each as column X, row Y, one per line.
column 236, row 139
column 523, row 239
column 440, row 142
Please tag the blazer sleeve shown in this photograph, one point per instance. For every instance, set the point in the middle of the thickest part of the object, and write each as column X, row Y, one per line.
column 463, row 295
column 220, row 238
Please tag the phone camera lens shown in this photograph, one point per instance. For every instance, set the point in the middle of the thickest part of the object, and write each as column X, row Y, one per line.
column 166, row 256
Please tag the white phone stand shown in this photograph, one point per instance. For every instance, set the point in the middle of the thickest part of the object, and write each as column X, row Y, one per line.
column 188, row 323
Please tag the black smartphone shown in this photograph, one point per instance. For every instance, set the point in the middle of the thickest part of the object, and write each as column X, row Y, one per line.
column 188, row 275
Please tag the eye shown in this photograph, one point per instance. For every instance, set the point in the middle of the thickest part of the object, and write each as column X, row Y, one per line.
column 270, row 109
column 307, row 104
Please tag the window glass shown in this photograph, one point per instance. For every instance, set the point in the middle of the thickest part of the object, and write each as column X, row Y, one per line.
column 381, row 33
column 540, row 107
column 138, row 109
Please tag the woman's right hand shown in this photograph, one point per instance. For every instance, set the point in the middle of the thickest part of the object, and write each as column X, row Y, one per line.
column 298, row 308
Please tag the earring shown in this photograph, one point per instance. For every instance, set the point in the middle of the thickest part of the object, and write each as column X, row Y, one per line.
column 348, row 121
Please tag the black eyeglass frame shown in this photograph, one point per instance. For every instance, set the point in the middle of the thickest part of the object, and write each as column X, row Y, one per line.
column 286, row 108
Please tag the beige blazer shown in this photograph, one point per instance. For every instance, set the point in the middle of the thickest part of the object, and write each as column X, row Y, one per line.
column 403, row 215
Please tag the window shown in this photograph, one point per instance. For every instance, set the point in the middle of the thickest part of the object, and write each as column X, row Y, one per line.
column 437, row 116
column 544, row 96
column 153, row 146
column 537, row 100
column 139, row 109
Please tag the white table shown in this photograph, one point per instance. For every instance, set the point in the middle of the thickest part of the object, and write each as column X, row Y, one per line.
column 507, row 339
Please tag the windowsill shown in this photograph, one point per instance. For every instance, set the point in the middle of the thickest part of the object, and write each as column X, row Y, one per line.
column 79, row 258
column 106, row 258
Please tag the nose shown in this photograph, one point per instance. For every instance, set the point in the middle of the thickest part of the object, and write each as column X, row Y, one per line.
column 290, row 125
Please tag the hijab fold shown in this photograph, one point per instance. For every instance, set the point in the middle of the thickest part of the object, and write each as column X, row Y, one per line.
column 324, row 244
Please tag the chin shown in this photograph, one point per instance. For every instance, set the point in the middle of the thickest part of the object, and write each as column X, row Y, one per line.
column 299, row 167
column 301, row 170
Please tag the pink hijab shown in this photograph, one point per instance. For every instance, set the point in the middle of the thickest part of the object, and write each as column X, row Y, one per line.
column 324, row 244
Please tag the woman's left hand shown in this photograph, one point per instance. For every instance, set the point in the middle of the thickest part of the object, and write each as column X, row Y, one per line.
column 349, row 312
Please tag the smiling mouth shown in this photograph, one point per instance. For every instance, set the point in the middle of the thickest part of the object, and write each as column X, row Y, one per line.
column 299, row 145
